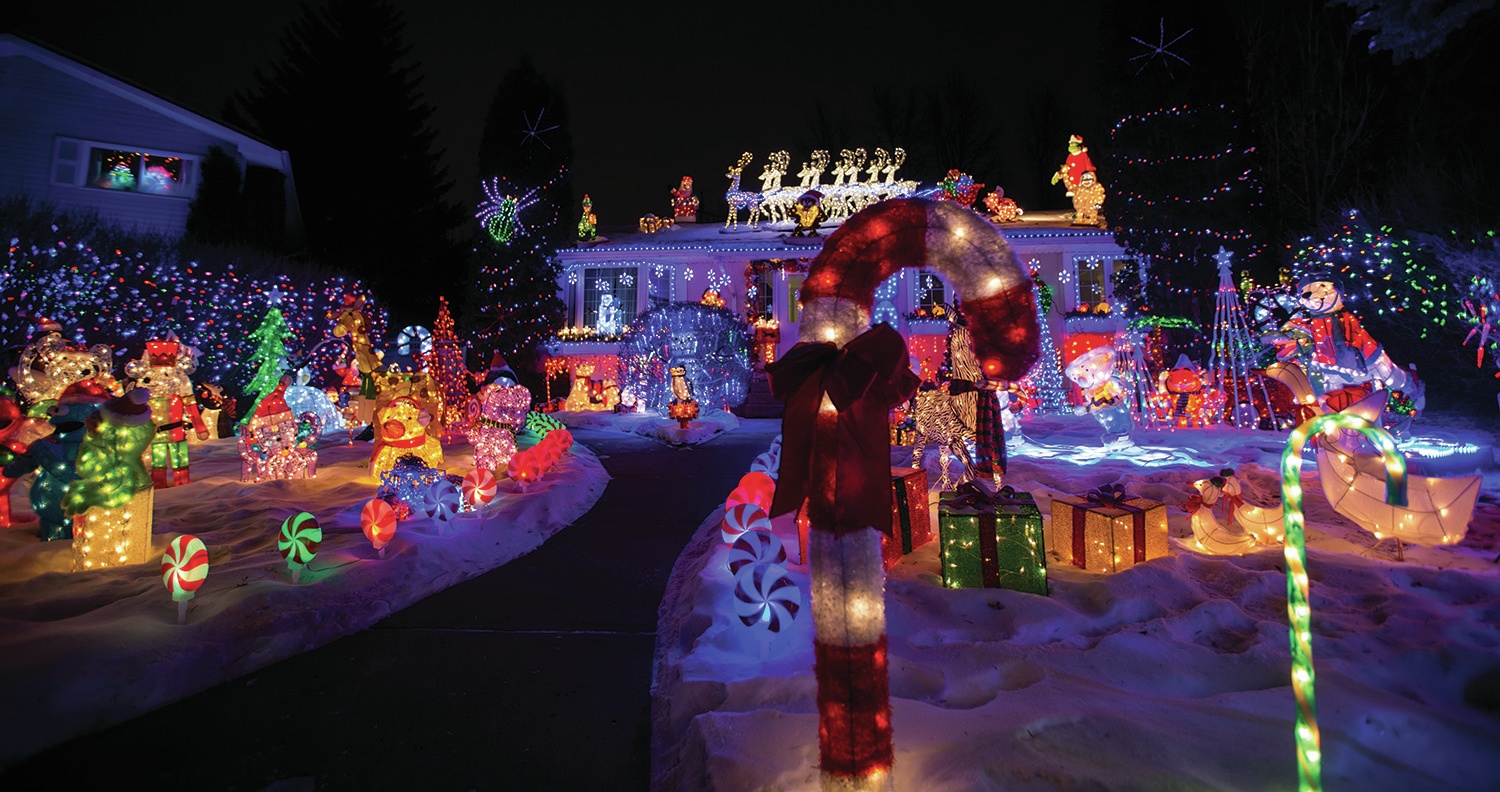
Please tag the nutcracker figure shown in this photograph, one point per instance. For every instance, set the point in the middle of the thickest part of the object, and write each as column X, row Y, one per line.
column 163, row 371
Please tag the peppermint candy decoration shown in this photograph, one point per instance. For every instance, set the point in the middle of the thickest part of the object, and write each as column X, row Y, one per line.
column 741, row 518
column 756, row 547
column 480, row 487
column 184, row 567
column 754, row 487
column 299, row 539
column 378, row 519
column 443, row 501
column 765, row 598
column 767, row 463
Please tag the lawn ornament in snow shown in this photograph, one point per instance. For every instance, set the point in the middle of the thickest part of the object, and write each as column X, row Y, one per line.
column 184, row 568
column 582, row 396
column 1183, row 397
column 55, row 457
column 349, row 320
column 426, row 390
column 49, row 364
column 684, row 203
column 1088, row 197
column 682, row 408
column 1002, row 209
column 163, row 371
column 217, row 409
column 949, row 414
column 1070, row 173
column 807, row 213
column 401, row 429
column 1210, row 501
column 502, row 409
column 1341, row 361
column 110, row 502
column 1094, row 373
column 18, row 433
column 741, row 199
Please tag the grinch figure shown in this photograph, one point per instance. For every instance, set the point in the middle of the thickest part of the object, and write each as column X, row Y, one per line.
column 1070, row 173
column 588, row 224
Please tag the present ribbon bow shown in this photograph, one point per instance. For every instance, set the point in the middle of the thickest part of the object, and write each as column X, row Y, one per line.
column 1108, row 495
column 848, row 468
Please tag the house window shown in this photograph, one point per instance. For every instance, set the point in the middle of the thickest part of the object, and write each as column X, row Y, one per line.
column 759, row 303
column 885, row 302
column 1089, row 275
column 931, row 292
column 609, row 299
column 659, row 279
column 794, row 298
column 111, row 168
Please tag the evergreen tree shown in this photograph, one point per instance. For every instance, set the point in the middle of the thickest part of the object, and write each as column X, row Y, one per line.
column 217, row 213
column 526, row 146
column 445, row 364
column 269, row 358
column 345, row 100
column 1180, row 168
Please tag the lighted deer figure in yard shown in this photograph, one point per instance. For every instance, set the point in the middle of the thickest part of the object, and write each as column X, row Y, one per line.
column 741, row 199
column 948, row 418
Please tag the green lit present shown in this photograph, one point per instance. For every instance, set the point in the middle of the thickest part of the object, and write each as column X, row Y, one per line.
column 991, row 542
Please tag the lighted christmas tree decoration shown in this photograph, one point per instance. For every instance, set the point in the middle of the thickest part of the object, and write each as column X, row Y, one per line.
column 684, row 203
column 298, row 542
column 446, row 366
column 163, row 371
column 1046, row 377
column 1234, row 351
column 588, row 224
column 110, row 502
column 1070, row 173
column 269, row 361
column 712, row 345
column 184, row 568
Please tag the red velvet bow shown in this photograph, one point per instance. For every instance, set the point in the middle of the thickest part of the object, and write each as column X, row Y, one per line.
column 864, row 380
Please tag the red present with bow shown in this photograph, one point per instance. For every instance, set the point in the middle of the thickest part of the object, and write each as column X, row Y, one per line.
column 1107, row 530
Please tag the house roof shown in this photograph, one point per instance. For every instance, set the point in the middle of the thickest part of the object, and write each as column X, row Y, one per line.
column 253, row 149
column 697, row 237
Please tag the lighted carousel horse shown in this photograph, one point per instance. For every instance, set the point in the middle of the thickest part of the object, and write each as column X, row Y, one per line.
column 948, row 415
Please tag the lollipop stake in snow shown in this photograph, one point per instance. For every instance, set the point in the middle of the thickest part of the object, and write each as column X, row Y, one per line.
column 184, row 567
column 298, row 542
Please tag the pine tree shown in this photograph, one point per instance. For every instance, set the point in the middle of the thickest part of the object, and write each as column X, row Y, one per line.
column 515, row 303
column 446, row 365
column 217, row 213
column 269, row 358
column 1046, row 374
column 345, row 101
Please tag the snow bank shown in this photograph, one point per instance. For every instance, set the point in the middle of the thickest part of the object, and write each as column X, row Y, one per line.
column 711, row 424
column 79, row 652
column 1173, row 674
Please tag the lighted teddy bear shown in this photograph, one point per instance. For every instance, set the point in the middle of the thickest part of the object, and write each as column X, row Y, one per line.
column 1094, row 373
column 500, row 409
column 50, row 363
column 401, row 429
column 424, row 389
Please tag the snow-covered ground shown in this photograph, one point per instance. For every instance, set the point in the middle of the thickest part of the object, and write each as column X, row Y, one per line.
column 82, row 651
column 1171, row 675
column 710, row 424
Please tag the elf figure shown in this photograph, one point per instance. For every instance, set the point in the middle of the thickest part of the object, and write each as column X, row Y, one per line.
column 1094, row 373
column 1072, row 170
column 163, row 371
column 1340, row 358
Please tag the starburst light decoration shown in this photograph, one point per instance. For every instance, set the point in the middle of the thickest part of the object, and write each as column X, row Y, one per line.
column 1160, row 49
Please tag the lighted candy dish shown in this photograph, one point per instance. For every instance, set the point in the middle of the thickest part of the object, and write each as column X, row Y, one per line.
column 1094, row 373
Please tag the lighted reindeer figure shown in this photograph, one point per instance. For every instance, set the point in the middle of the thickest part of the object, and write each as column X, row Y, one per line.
column 775, row 199
column 946, row 418
column 741, row 199
column 812, row 170
column 878, row 164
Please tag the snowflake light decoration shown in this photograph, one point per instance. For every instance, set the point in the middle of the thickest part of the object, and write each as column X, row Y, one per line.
column 533, row 129
column 1160, row 48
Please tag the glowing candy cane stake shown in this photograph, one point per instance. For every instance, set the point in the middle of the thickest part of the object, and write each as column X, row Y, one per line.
column 1299, row 612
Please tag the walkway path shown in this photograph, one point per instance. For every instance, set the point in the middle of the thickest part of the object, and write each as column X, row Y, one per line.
column 534, row 676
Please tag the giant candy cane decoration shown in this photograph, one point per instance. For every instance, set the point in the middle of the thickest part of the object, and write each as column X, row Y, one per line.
column 836, row 451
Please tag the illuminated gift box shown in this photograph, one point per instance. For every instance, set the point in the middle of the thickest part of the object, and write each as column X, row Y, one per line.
column 910, row 526
column 1107, row 531
column 991, row 542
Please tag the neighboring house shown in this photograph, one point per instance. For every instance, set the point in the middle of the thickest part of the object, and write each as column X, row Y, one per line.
column 759, row 273
column 82, row 139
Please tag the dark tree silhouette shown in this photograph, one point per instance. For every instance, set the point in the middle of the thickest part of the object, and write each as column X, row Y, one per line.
column 344, row 98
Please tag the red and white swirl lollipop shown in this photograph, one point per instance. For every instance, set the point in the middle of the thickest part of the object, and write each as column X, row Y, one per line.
column 480, row 487
column 442, row 502
column 298, row 542
column 378, row 519
column 767, row 463
column 741, row 518
column 756, row 547
column 184, row 567
column 765, row 598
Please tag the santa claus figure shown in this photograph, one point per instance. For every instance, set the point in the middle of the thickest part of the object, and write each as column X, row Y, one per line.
column 163, row 371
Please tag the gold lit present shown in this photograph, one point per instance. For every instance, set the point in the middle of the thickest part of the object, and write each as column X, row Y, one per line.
column 104, row 538
column 1107, row 537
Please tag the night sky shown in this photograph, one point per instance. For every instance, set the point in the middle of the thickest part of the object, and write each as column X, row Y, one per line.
column 654, row 94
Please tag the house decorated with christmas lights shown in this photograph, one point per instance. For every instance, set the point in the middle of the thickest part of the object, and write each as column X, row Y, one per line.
column 758, row 273
column 85, row 140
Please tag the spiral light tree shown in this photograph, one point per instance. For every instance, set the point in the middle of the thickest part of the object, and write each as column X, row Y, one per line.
column 838, row 383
